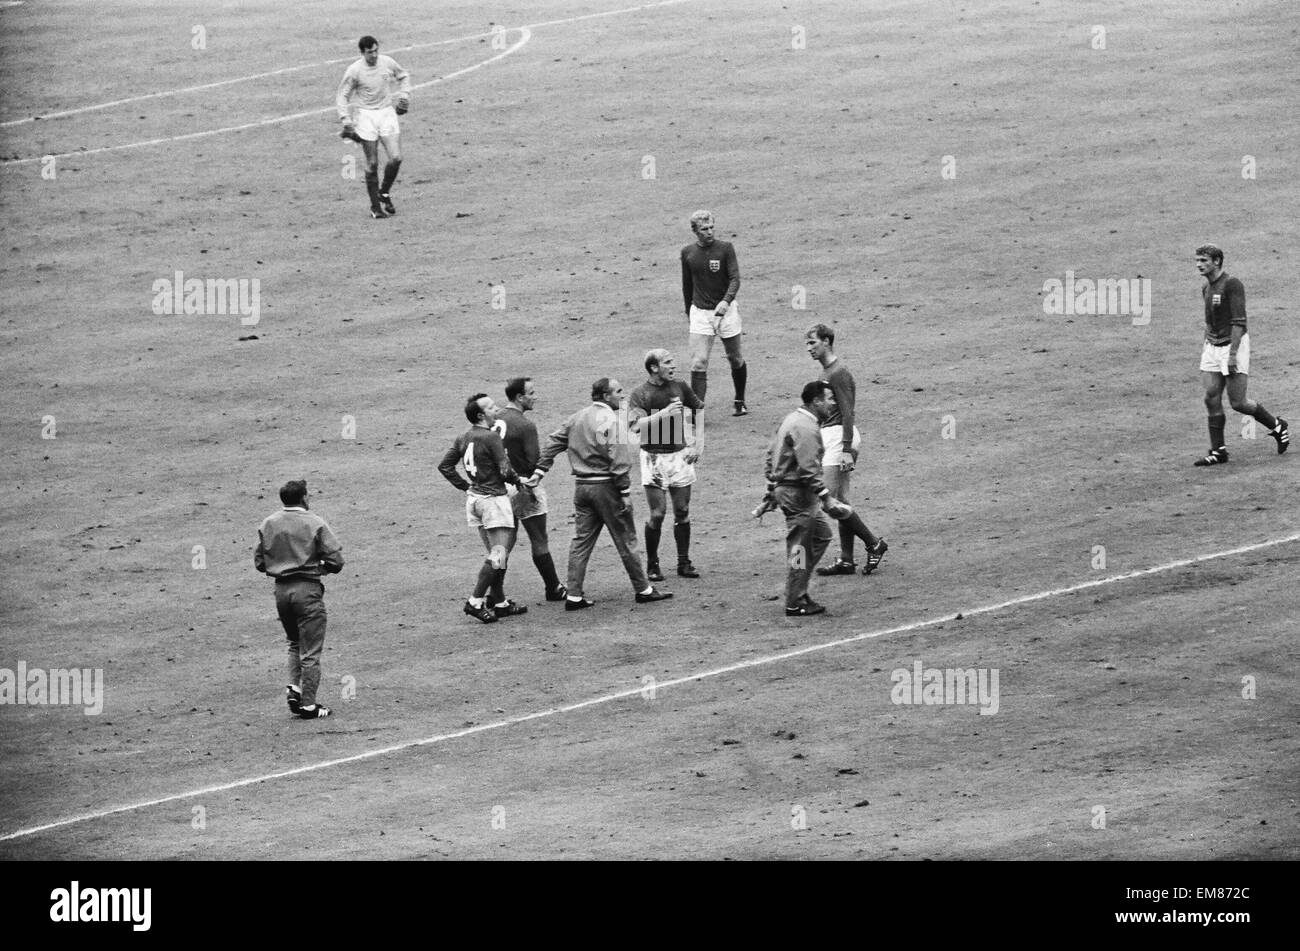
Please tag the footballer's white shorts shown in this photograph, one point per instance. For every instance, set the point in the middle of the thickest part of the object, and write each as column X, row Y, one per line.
column 1215, row 359
column 528, row 503
column 488, row 511
column 833, row 444
column 666, row 470
column 372, row 123
column 709, row 324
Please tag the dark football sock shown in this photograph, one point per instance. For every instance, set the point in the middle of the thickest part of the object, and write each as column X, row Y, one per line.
column 372, row 188
column 546, row 568
column 699, row 382
column 858, row 527
column 1263, row 416
column 1216, row 430
column 652, row 542
column 499, row 586
column 485, row 576
column 390, row 175
column 682, row 535
column 847, row 538
column 738, row 377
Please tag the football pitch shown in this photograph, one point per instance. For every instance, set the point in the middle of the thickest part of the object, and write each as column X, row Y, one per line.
column 920, row 176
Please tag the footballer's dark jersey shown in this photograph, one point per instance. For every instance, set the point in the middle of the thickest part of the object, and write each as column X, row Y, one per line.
column 520, row 437
column 709, row 275
column 667, row 434
column 483, row 455
column 842, row 385
column 1225, row 307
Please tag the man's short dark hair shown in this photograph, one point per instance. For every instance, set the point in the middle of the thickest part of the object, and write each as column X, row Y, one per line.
column 472, row 410
column 599, row 389
column 814, row 390
column 1212, row 251
column 822, row 332
column 366, row 42
column 516, row 385
column 293, row 492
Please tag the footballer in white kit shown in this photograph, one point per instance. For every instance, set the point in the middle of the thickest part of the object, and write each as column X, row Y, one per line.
column 369, row 84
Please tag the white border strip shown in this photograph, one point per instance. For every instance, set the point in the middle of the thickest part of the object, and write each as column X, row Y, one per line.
column 525, row 36
column 637, row 691
column 329, row 62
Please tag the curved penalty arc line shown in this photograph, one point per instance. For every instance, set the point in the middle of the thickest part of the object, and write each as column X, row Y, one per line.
column 525, row 35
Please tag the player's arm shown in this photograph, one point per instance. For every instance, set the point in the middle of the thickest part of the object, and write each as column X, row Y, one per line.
column 1235, row 291
column 403, row 85
column 688, row 282
column 695, row 428
column 329, row 551
column 259, row 553
column 845, row 396
column 733, row 269
column 556, row 443
column 344, row 94
column 448, row 467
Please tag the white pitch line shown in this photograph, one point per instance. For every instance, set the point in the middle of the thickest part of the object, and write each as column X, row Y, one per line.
column 525, row 36
column 637, row 691
column 328, row 62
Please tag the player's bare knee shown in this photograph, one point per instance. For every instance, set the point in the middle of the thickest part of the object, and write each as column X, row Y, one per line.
column 655, row 519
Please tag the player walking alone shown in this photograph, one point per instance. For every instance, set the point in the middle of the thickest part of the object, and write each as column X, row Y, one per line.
column 1225, row 357
column 710, row 280
column 371, row 80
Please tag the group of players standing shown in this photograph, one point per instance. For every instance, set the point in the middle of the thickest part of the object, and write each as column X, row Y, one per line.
column 504, row 461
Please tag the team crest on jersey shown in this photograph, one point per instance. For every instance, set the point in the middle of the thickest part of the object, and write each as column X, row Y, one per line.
column 1216, row 299
column 715, row 266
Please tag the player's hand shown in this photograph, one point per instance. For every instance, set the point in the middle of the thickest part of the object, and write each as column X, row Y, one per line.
column 532, row 481
column 625, row 507
column 691, row 456
column 349, row 130
column 721, row 309
column 1232, row 366
column 846, row 462
column 401, row 106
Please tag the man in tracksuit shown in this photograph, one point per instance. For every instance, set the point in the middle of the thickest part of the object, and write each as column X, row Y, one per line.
column 597, row 443
column 296, row 547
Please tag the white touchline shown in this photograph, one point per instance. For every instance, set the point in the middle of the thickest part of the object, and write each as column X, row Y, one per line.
column 329, row 62
column 525, row 36
column 639, row 690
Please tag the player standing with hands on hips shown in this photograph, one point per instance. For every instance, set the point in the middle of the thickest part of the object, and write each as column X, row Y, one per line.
column 710, row 280
column 295, row 548
column 1225, row 357
column 371, row 79
column 794, row 482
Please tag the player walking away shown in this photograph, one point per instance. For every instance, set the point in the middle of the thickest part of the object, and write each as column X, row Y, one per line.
column 597, row 443
column 670, row 447
column 842, row 440
column 530, row 504
column 1225, row 357
column 710, row 280
column 296, row 547
column 487, row 506
column 371, row 80
column 794, row 480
